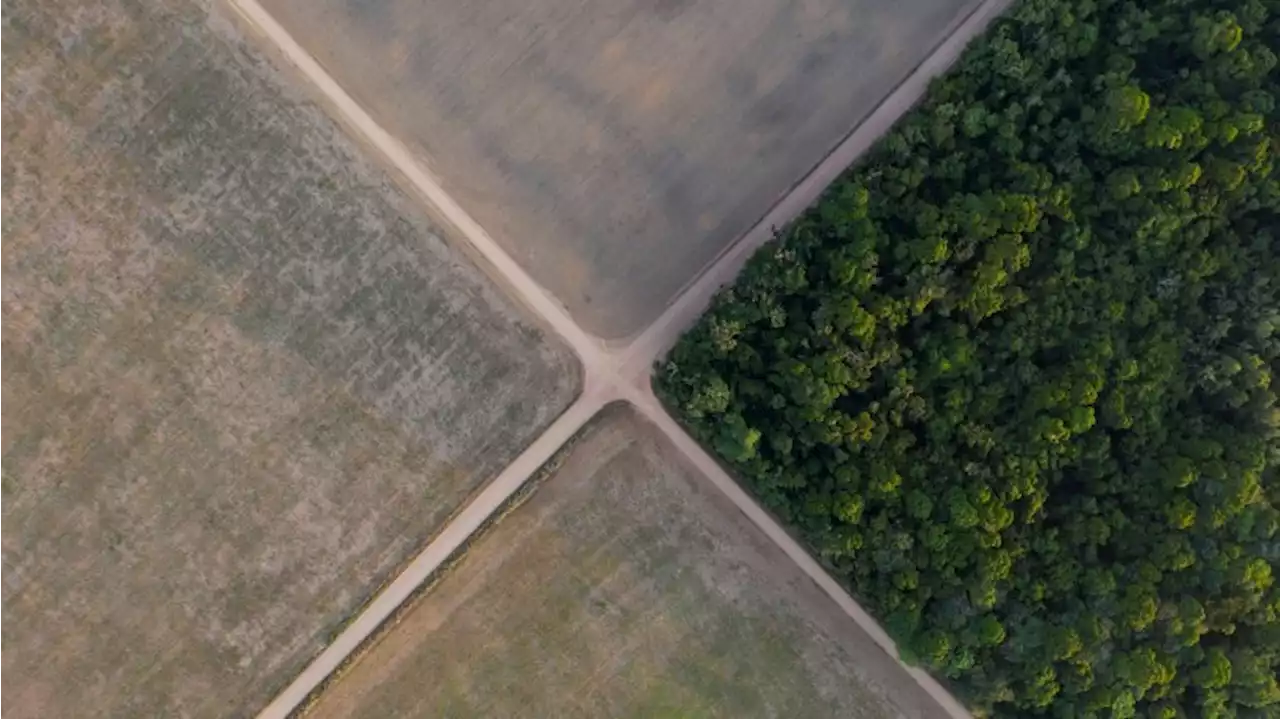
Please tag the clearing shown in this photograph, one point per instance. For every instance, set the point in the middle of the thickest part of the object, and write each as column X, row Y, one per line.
column 615, row 148
column 626, row 585
column 245, row 379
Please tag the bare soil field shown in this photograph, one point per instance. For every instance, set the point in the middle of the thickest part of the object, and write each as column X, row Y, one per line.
column 244, row 379
column 614, row 148
column 625, row 586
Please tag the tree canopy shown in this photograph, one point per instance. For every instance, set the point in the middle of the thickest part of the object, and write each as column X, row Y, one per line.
column 1013, row 377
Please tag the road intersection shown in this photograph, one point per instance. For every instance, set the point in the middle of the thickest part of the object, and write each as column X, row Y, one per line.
column 611, row 371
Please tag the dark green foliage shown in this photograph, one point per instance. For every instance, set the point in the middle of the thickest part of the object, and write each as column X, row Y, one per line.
column 1013, row 377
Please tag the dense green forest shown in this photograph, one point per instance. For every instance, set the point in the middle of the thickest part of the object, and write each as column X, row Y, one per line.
column 1014, row 376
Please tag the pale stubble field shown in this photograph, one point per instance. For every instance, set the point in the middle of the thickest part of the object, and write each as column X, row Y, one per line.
column 244, row 378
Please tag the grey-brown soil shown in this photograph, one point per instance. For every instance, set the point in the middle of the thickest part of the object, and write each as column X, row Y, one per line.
column 626, row 586
column 244, row 379
column 615, row 147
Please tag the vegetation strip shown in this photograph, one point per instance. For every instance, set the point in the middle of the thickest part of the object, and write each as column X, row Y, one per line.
column 1012, row 376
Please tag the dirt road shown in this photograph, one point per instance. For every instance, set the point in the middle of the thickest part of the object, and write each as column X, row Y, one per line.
column 611, row 373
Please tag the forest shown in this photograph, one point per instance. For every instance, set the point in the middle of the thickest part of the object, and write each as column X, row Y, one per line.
column 1013, row 378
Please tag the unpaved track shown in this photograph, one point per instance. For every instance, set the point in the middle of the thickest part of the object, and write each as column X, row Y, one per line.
column 610, row 373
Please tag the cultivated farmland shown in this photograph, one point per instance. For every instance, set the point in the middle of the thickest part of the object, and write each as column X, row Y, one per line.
column 625, row 586
column 244, row 379
column 614, row 148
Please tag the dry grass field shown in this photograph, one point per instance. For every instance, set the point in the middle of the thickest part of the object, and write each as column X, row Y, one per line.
column 625, row 586
column 614, row 148
column 244, row 380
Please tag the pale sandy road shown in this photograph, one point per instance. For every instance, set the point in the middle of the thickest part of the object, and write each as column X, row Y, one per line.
column 609, row 373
